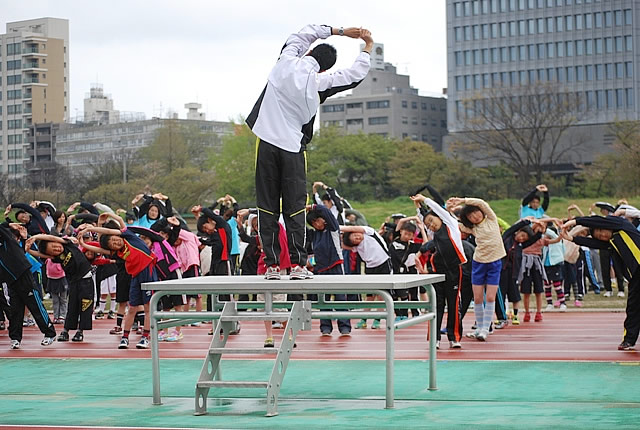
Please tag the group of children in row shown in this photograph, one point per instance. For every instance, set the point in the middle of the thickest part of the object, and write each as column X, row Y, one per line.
column 93, row 255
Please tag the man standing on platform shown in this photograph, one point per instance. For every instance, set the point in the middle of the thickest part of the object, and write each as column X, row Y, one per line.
column 282, row 119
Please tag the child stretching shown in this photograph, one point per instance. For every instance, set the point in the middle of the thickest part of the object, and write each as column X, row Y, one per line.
column 139, row 263
column 479, row 219
column 77, row 270
column 447, row 259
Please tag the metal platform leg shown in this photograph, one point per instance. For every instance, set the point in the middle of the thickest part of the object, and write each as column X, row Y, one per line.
column 211, row 366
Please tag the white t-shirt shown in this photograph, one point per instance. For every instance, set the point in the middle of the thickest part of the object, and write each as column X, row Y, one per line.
column 370, row 250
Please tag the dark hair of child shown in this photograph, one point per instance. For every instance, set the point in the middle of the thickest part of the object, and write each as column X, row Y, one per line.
column 464, row 215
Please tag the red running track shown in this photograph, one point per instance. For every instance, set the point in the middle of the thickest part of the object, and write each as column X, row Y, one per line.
column 571, row 336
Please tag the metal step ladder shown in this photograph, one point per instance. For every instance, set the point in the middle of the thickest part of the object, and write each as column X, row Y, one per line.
column 299, row 318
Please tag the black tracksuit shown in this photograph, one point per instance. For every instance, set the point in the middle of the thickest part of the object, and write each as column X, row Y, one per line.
column 15, row 271
column 77, row 270
column 626, row 245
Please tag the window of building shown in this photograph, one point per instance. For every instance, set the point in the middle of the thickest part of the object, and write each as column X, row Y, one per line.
column 598, row 46
column 14, row 154
column 423, row 121
column 628, row 20
column 485, row 56
column 378, row 120
column 568, row 21
column 608, row 19
column 513, row 29
column 549, row 25
column 494, row 30
column 559, row 49
column 610, row 99
column 14, row 109
column 619, row 70
column 485, row 31
column 14, row 124
column 414, row 121
column 588, row 47
column 560, row 74
column 551, row 74
column 405, row 104
column 630, row 98
column 522, row 27
column 590, row 99
column 588, row 21
column 599, row 72
column 628, row 43
column 531, row 26
column 458, row 9
column 14, row 94
column 589, row 72
column 354, row 105
column 609, row 70
column 570, row 74
column 423, row 106
column 578, row 21
column 522, row 52
column 378, row 104
column 579, row 73
column 597, row 17
column 628, row 69
column 458, row 33
column 333, row 108
column 414, row 105
column 618, row 18
column 355, row 121
column 569, row 49
column 559, row 23
column 476, row 32
column 15, row 139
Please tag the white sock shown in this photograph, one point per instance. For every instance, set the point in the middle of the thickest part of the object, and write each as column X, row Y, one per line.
column 114, row 305
column 102, row 305
column 489, row 309
column 478, row 309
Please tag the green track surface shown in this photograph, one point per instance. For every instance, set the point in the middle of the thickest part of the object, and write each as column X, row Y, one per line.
column 325, row 394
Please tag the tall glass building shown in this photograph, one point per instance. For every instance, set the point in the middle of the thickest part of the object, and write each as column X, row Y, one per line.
column 587, row 47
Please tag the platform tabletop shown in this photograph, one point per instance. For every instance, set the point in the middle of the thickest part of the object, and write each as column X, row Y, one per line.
column 257, row 283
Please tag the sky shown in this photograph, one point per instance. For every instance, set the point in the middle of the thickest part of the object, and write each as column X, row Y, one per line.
column 155, row 56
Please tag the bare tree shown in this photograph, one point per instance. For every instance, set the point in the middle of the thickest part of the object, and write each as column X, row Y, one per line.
column 522, row 127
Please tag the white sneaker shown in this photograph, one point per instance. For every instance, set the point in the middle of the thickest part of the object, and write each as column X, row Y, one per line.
column 548, row 308
column 472, row 334
column 15, row 344
column 620, row 293
column 47, row 341
column 299, row 273
column 273, row 273
column 608, row 294
column 455, row 345
column 482, row 336
column 563, row 308
column 437, row 344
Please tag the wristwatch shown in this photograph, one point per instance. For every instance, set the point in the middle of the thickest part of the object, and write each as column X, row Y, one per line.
column 341, row 31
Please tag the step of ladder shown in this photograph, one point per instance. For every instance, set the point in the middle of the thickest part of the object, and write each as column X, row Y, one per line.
column 272, row 351
column 273, row 317
column 232, row 384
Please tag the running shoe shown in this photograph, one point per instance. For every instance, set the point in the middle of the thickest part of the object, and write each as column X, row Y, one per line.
column 195, row 324
column 63, row 337
column 174, row 336
column 538, row 317
column 501, row 324
column 474, row 326
column 527, row 317
column 549, row 307
column 515, row 320
column 99, row 315
column 143, row 343
column 78, row 337
column 273, row 273
column 268, row 342
column 361, row 324
column 326, row 333
column 608, row 294
column 375, row 325
column 15, row 344
column 2, row 326
column 116, row 330
column 277, row 325
column 111, row 315
column 47, row 341
column 300, row 273
column 625, row 346
column 472, row 334
column 162, row 336
column 437, row 344
column 345, row 332
column 557, row 304
column 563, row 307
column 620, row 293
column 482, row 336
column 578, row 303
column 455, row 344
column 124, row 343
